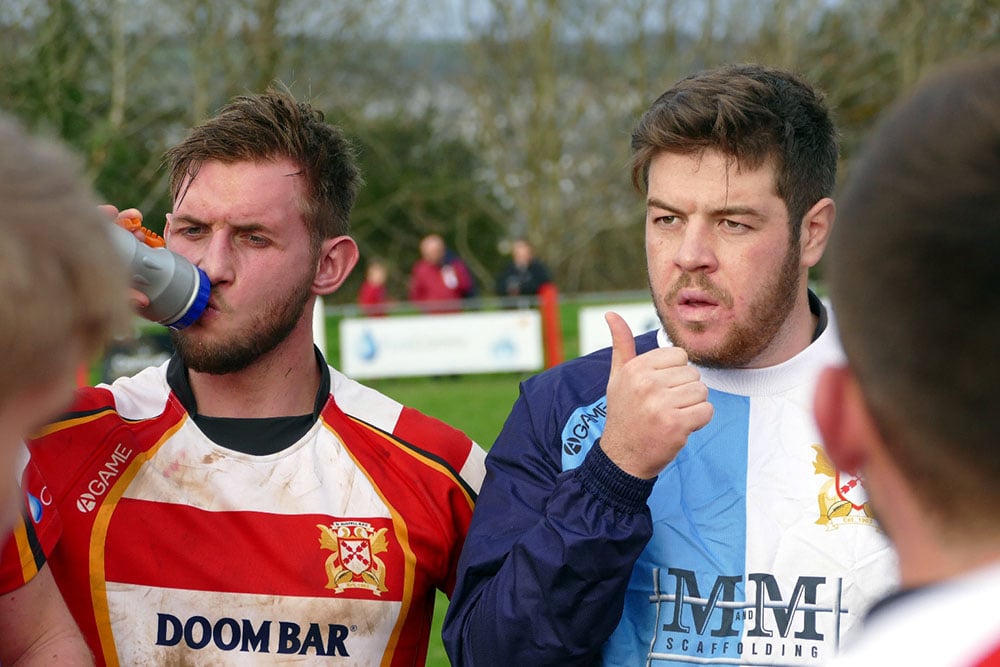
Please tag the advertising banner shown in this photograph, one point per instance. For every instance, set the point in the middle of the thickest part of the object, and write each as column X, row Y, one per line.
column 444, row 344
column 594, row 333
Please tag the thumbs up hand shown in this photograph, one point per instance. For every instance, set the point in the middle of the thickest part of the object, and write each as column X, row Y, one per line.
column 655, row 401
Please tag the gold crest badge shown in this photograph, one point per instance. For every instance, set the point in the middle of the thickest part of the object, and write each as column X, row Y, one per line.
column 354, row 562
column 842, row 498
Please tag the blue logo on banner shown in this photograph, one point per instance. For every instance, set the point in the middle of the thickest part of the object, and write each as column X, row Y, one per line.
column 504, row 349
column 368, row 349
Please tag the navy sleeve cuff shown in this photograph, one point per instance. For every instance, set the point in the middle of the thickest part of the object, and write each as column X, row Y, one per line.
column 612, row 485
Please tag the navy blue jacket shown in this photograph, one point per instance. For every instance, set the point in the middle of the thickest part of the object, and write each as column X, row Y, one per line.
column 549, row 553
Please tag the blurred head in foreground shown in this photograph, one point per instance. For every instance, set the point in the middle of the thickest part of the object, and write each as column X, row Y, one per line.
column 65, row 289
column 915, row 281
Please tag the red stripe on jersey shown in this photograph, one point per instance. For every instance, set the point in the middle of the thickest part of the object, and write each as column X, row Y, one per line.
column 451, row 446
column 991, row 660
column 444, row 466
column 75, row 419
column 218, row 553
column 390, row 471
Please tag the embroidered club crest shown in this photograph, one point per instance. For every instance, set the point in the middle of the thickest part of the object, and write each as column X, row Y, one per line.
column 842, row 498
column 354, row 562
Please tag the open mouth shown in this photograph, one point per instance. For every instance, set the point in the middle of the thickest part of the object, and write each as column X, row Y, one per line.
column 694, row 299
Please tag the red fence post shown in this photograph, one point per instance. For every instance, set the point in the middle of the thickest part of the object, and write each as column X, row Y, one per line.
column 548, row 305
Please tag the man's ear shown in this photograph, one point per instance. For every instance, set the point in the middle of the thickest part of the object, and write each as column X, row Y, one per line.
column 816, row 227
column 848, row 430
column 337, row 259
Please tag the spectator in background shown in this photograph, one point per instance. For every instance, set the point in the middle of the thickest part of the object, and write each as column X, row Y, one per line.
column 373, row 297
column 915, row 279
column 439, row 277
column 525, row 274
column 64, row 297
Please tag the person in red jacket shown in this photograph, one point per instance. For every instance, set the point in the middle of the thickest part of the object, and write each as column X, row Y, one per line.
column 439, row 277
column 372, row 296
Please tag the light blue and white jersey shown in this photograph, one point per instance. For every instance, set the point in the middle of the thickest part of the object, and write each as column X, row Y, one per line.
column 762, row 553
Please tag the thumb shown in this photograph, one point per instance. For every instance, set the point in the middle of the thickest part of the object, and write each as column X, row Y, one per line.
column 622, row 341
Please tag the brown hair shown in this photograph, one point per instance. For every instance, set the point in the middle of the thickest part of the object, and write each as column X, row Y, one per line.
column 754, row 114
column 915, row 280
column 270, row 126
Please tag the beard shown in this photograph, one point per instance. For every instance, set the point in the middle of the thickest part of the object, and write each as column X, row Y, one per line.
column 245, row 347
column 746, row 339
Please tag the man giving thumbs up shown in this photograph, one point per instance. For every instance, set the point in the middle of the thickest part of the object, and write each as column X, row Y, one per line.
column 667, row 501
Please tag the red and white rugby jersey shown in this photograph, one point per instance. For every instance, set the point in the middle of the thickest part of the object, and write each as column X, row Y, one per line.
column 172, row 549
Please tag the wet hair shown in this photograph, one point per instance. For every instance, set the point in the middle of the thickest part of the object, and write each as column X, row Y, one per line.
column 272, row 126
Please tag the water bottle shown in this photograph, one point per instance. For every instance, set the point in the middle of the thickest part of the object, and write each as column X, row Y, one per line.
column 177, row 289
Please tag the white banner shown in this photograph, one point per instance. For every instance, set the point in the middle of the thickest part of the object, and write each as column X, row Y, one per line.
column 594, row 333
column 445, row 344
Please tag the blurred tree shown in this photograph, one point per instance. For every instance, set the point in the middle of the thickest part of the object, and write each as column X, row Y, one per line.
column 121, row 81
column 545, row 108
column 420, row 181
column 555, row 86
column 46, row 67
column 527, row 103
column 65, row 71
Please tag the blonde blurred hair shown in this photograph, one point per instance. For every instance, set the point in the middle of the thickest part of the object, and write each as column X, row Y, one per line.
column 63, row 286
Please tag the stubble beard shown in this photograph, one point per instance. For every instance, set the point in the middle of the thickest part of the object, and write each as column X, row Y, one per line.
column 234, row 354
column 746, row 339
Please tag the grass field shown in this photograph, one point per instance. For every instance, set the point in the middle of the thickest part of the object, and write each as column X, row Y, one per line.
column 476, row 404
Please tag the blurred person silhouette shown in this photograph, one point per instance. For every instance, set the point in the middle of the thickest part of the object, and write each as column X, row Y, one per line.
column 524, row 274
column 914, row 276
column 245, row 498
column 373, row 295
column 64, row 299
column 439, row 277
column 665, row 500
